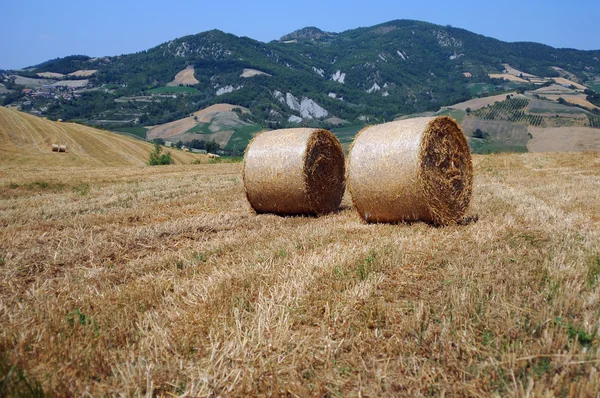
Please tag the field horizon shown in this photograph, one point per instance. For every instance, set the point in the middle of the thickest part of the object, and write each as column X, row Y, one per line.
column 161, row 281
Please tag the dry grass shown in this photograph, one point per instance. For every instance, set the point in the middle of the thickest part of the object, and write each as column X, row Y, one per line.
column 161, row 281
column 27, row 140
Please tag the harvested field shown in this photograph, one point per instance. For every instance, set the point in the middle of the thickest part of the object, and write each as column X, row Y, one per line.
column 219, row 119
column 506, row 76
column 185, row 77
column 219, row 108
column 30, row 82
column 554, row 89
column 564, row 139
column 565, row 73
column 478, row 103
column 221, row 137
column 83, row 73
column 515, row 72
column 548, row 108
column 51, row 75
column 567, row 82
column 171, row 129
column 502, row 136
column 25, row 139
column 72, row 83
column 580, row 99
column 159, row 281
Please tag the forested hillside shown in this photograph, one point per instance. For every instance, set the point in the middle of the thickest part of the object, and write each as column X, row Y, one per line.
column 309, row 77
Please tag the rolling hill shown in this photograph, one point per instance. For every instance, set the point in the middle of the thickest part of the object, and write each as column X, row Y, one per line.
column 27, row 140
column 371, row 74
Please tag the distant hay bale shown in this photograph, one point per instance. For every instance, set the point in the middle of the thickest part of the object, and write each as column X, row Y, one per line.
column 294, row 171
column 213, row 156
column 62, row 148
column 55, row 147
column 409, row 170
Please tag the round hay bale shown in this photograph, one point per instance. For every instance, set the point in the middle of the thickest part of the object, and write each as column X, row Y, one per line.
column 54, row 147
column 62, row 148
column 294, row 171
column 411, row 170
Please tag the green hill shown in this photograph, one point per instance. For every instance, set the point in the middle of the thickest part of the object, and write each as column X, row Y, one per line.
column 372, row 74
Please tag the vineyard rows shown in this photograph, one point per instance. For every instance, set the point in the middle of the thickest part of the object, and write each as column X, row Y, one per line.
column 511, row 110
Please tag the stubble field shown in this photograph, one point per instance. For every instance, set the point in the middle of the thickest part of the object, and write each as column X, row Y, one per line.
column 161, row 281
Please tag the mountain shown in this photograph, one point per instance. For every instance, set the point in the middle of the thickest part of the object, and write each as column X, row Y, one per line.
column 26, row 139
column 308, row 77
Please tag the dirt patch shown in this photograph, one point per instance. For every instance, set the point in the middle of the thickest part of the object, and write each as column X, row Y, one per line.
column 564, row 139
column 83, row 73
column 185, row 77
column 252, row 72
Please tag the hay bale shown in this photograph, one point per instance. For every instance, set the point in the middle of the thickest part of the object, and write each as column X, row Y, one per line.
column 54, row 147
column 409, row 170
column 62, row 148
column 294, row 171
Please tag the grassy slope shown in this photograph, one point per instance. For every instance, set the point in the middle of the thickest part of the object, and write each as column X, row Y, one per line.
column 160, row 281
column 27, row 140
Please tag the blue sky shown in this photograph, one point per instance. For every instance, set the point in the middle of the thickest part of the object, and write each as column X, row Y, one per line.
column 35, row 31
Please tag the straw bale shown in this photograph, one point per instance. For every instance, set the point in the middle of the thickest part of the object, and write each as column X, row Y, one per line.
column 410, row 170
column 62, row 148
column 54, row 147
column 294, row 171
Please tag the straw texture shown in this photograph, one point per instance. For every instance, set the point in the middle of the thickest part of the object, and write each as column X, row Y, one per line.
column 410, row 170
column 294, row 171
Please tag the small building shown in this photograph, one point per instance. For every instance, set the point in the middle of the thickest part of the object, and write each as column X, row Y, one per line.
column 468, row 75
